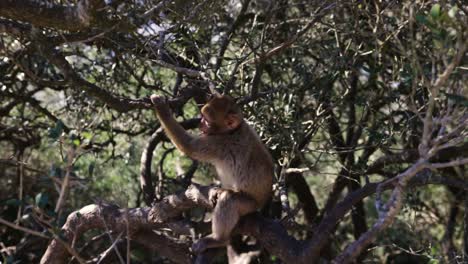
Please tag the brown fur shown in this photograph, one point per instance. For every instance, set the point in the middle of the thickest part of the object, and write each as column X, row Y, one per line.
column 242, row 162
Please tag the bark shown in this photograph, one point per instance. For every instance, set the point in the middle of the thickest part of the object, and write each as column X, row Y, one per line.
column 465, row 230
column 269, row 233
column 447, row 240
column 305, row 197
column 45, row 47
column 46, row 14
column 105, row 216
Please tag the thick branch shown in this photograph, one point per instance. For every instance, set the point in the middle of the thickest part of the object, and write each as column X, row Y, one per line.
column 172, row 205
column 111, row 217
column 146, row 182
column 270, row 233
column 13, row 28
column 47, row 14
column 176, row 252
column 465, row 229
column 305, row 197
column 118, row 103
column 273, row 237
column 448, row 246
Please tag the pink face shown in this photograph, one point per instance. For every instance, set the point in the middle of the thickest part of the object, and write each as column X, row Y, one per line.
column 205, row 125
column 220, row 115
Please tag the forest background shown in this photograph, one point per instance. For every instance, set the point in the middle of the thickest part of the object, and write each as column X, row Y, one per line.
column 362, row 104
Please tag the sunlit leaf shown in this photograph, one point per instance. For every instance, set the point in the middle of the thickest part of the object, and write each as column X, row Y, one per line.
column 76, row 142
column 435, row 11
column 87, row 135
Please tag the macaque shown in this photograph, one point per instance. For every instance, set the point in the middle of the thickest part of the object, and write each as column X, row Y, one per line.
column 243, row 163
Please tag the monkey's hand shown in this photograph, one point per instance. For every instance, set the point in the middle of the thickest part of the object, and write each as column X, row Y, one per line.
column 160, row 103
column 213, row 195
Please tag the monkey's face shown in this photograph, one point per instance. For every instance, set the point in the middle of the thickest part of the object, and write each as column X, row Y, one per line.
column 220, row 115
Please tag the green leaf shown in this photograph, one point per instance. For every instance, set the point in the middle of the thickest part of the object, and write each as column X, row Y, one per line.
column 42, row 199
column 87, row 135
column 453, row 11
column 76, row 142
column 435, row 11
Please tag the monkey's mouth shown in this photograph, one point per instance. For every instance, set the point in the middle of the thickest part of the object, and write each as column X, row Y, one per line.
column 204, row 125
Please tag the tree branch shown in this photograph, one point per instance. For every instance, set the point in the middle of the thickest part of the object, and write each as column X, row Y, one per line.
column 288, row 43
column 146, row 181
column 102, row 216
column 47, row 14
column 270, row 233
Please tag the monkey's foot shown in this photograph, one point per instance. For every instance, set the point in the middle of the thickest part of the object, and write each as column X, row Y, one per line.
column 214, row 194
column 157, row 99
column 206, row 243
column 199, row 246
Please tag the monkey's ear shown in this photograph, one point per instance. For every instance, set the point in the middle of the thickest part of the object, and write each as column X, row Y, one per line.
column 208, row 97
column 232, row 121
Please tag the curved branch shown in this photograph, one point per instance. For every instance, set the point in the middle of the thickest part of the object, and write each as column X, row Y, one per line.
column 146, row 181
column 118, row 103
column 105, row 216
column 304, row 195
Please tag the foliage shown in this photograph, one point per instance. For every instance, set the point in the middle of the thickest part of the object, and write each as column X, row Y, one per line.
column 332, row 88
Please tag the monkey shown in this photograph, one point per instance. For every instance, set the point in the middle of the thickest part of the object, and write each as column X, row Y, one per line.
column 242, row 162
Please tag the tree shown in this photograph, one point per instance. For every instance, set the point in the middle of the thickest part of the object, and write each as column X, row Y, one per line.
column 360, row 104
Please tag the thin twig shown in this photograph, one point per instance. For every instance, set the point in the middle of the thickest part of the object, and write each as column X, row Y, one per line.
column 453, row 163
column 279, row 48
column 23, row 229
column 66, row 181
column 106, row 253
column 20, row 171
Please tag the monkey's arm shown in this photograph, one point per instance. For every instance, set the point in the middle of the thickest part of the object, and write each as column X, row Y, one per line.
column 195, row 147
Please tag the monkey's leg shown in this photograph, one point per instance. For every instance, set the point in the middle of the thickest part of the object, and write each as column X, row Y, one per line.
column 229, row 208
